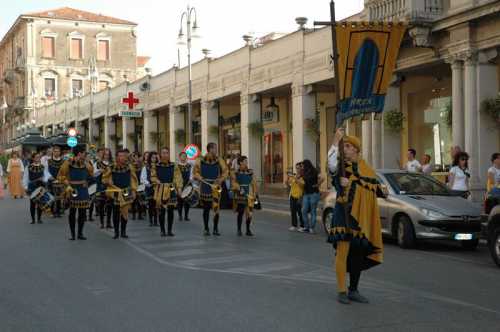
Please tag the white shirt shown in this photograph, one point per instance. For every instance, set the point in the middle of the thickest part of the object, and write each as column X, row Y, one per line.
column 427, row 169
column 459, row 179
column 413, row 166
column 333, row 158
column 496, row 174
column 144, row 176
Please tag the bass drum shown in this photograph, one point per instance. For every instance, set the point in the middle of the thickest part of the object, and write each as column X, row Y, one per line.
column 190, row 195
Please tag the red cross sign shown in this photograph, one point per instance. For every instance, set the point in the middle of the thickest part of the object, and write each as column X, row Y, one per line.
column 131, row 101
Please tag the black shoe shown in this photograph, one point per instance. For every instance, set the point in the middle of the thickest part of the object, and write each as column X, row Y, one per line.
column 343, row 298
column 206, row 232
column 150, row 224
column 163, row 234
column 109, row 227
column 187, row 219
column 240, row 233
column 32, row 222
column 124, row 236
column 170, row 234
column 356, row 297
column 216, row 233
column 115, row 237
column 102, row 226
column 40, row 222
column 81, row 237
column 72, row 238
column 249, row 233
column 91, row 219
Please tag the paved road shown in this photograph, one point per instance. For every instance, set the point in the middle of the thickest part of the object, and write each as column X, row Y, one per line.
column 277, row 281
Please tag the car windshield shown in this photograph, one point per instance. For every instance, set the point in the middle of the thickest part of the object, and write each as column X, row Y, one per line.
column 416, row 184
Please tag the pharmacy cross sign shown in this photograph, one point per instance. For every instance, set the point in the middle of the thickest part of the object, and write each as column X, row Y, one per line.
column 131, row 101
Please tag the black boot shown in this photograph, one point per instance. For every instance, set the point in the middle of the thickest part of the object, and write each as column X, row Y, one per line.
column 249, row 232
column 124, row 229
column 81, row 222
column 216, row 225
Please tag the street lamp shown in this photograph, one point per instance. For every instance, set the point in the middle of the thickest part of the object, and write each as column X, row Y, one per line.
column 93, row 76
column 191, row 32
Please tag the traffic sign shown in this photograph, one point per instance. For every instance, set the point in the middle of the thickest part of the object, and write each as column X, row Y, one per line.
column 72, row 132
column 72, row 141
column 192, row 151
column 130, row 114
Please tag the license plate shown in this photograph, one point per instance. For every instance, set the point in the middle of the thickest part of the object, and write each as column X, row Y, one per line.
column 463, row 236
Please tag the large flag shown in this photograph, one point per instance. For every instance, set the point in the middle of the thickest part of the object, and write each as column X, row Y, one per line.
column 367, row 54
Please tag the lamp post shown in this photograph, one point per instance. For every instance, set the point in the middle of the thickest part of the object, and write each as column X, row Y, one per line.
column 93, row 75
column 191, row 32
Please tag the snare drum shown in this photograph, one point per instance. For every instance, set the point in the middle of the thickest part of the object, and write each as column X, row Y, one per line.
column 190, row 195
column 43, row 199
column 57, row 189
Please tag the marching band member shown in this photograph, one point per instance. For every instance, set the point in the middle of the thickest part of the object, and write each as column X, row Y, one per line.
column 186, row 172
column 146, row 181
column 103, row 203
column 56, row 188
column 245, row 190
column 76, row 174
column 121, row 182
column 167, row 180
column 357, row 238
column 33, row 178
column 138, row 202
column 211, row 171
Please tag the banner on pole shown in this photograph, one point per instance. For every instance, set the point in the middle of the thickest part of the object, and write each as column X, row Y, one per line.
column 367, row 54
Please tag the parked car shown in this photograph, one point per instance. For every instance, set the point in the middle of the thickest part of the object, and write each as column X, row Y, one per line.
column 419, row 207
column 492, row 215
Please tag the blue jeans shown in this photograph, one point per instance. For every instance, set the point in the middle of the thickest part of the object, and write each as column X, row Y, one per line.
column 309, row 205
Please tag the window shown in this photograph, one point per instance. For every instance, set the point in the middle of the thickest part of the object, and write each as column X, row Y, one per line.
column 76, row 88
column 103, row 50
column 50, row 88
column 76, row 51
column 48, row 47
column 103, row 85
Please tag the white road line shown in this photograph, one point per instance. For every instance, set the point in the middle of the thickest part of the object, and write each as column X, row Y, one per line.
column 219, row 260
column 265, row 268
column 191, row 252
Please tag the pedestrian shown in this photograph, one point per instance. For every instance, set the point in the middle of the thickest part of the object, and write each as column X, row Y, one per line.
column 245, row 191
column 312, row 181
column 426, row 164
column 15, row 171
column 356, row 233
column 121, row 182
column 412, row 165
column 167, row 179
column 494, row 173
column 33, row 179
column 2, row 194
column 76, row 173
column 52, row 167
column 137, row 206
column 296, row 183
column 149, row 189
column 186, row 172
column 104, row 205
column 211, row 171
column 458, row 178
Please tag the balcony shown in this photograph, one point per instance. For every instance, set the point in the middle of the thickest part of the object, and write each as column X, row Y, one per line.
column 412, row 11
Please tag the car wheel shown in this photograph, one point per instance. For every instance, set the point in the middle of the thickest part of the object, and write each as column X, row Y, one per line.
column 495, row 246
column 405, row 234
column 470, row 245
column 327, row 220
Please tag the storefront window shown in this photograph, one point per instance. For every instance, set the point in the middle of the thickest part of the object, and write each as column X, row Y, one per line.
column 232, row 141
column 437, row 117
column 273, row 156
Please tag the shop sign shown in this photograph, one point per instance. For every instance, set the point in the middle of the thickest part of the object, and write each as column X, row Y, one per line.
column 270, row 115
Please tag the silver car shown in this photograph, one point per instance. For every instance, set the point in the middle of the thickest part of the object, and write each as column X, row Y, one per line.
column 419, row 207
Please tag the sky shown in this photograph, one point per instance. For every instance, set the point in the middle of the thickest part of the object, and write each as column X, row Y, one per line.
column 222, row 22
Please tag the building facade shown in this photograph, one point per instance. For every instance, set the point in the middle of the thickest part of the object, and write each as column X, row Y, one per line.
column 274, row 102
column 45, row 58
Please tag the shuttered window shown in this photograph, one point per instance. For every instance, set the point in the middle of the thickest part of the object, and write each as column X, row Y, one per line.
column 76, row 51
column 103, row 50
column 48, row 47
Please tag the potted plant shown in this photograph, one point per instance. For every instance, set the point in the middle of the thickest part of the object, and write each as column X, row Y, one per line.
column 491, row 107
column 312, row 128
column 256, row 128
column 180, row 136
column 393, row 120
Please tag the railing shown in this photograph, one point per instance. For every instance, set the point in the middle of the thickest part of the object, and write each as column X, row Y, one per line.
column 405, row 10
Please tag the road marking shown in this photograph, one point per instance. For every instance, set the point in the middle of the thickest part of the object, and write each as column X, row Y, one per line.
column 265, row 268
column 219, row 260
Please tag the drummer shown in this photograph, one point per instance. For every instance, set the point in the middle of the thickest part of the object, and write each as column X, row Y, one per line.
column 76, row 174
column 187, row 174
column 103, row 204
column 34, row 178
column 245, row 190
column 167, row 180
column 149, row 189
column 121, row 181
column 52, row 168
column 211, row 171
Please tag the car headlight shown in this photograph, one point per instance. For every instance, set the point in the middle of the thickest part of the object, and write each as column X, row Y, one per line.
column 432, row 214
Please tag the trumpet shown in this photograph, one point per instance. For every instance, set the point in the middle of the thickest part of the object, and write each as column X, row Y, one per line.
column 215, row 187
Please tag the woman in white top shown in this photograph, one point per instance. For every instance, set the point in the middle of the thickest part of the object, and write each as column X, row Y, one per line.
column 459, row 174
column 494, row 173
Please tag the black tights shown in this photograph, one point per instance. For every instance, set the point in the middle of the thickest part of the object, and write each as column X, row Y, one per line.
column 35, row 209
column 105, row 206
column 153, row 212
column 170, row 216
column 57, row 208
column 354, row 277
column 182, row 204
column 81, row 220
column 137, row 208
column 207, row 206
column 91, row 209
column 241, row 211
column 119, row 220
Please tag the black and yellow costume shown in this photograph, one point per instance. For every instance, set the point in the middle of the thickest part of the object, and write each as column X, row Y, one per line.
column 357, row 238
column 55, row 187
column 36, row 179
column 121, row 184
column 244, row 188
column 186, row 175
column 103, row 203
column 167, row 181
column 211, row 171
column 139, row 202
column 76, row 174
